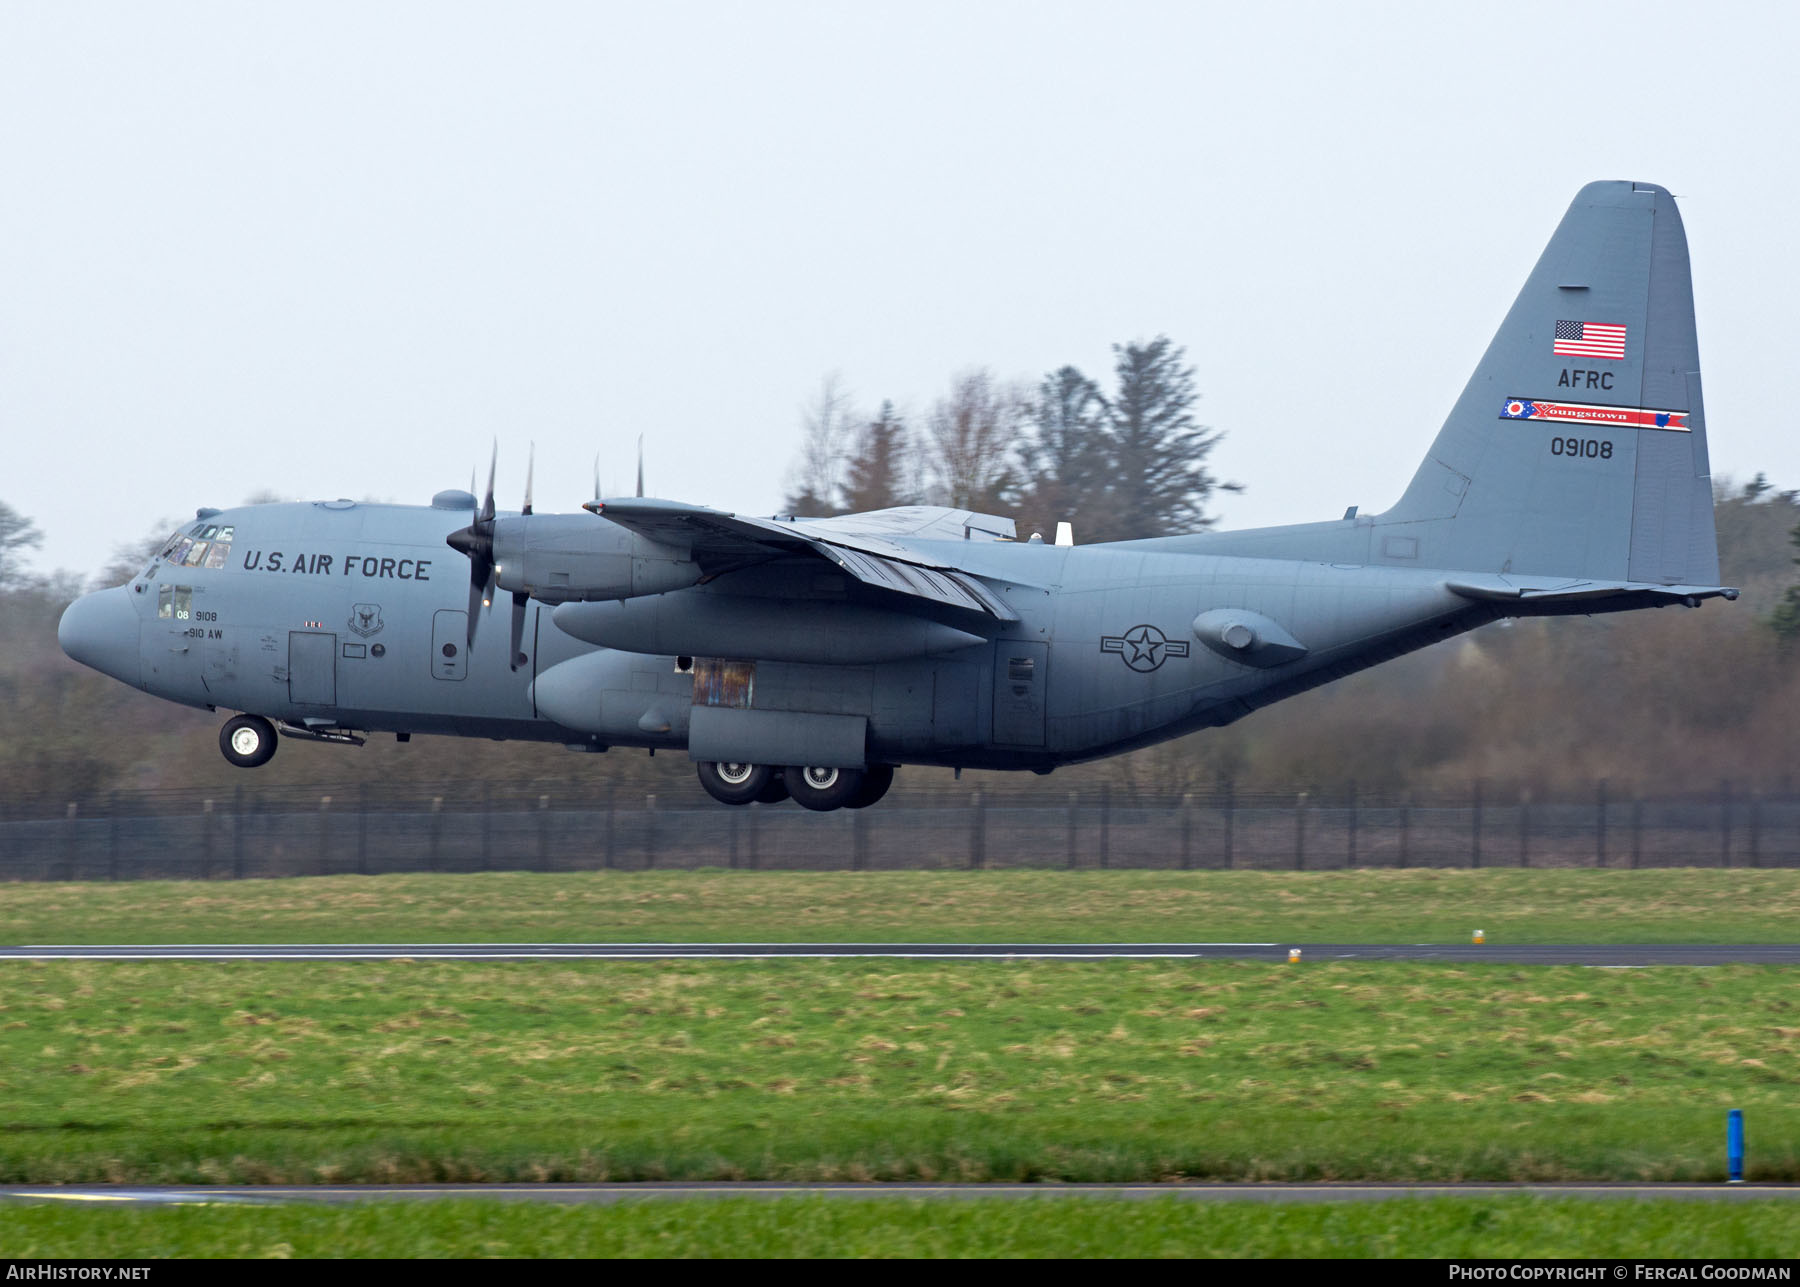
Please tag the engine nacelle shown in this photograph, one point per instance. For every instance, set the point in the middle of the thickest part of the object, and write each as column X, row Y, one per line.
column 564, row 558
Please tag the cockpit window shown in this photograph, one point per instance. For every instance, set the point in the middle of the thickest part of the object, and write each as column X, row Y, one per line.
column 205, row 545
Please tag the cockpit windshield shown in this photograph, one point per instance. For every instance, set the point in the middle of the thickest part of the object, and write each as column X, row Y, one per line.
column 202, row 545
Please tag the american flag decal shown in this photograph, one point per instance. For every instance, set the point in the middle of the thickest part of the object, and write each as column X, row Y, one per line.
column 1590, row 340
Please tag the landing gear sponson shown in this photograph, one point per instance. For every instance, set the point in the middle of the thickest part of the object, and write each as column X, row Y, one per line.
column 810, row 786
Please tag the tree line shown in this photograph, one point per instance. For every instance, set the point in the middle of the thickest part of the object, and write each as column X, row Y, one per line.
column 1119, row 462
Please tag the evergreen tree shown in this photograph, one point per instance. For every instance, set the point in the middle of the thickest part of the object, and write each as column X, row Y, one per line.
column 875, row 477
column 1785, row 620
column 1159, row 480
column 1065, row 453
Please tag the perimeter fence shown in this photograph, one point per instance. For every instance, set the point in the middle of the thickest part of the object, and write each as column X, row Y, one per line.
column 485, row 826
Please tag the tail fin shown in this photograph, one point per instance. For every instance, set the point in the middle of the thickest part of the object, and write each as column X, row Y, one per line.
column 1578, row 447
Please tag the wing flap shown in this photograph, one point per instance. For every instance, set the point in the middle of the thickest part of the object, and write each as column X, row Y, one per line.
column 860, row 544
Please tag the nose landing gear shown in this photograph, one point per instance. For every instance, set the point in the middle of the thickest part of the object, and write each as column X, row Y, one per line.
column 248, row 741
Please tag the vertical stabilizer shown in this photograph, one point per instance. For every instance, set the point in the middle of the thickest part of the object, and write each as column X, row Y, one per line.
column 1578, row 447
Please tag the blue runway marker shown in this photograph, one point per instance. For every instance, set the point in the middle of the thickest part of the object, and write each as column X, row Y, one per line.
column 1734, row 1145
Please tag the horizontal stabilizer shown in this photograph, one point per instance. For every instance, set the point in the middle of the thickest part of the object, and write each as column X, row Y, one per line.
column 1550, row 591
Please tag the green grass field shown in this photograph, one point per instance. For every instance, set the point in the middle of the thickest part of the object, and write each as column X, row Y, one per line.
column 819, row 1069
column 823, row 1227
column 1443, row 906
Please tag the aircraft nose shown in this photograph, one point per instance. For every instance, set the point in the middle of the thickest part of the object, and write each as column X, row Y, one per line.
column 101, row 630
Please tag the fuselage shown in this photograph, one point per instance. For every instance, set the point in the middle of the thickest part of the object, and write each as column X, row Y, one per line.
column 353, row 616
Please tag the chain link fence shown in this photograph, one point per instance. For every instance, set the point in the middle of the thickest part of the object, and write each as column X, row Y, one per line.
column 463, row 826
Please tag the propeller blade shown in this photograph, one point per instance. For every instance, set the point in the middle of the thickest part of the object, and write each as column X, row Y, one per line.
column 487, row 504
column 596, row 475
column 530, row 467
column 640, row 465
column 520, row 599
column 474, row 608
column 477, row 542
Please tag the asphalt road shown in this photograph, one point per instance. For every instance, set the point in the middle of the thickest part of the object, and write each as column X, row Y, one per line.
column 601, row 1194
column 1618, row 955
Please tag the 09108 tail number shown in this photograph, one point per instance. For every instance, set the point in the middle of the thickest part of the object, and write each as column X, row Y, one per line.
column 1591, row 448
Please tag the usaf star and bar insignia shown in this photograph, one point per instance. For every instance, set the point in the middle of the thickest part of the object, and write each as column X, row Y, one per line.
column 1144, row 648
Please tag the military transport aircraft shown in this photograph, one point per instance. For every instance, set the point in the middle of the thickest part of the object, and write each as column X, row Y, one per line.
column 808, row 657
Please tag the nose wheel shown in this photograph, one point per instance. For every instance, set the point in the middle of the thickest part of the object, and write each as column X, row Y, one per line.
column 248, row 741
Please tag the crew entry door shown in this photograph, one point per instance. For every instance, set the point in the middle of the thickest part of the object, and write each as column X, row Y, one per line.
column 1019, row 692
column 312, row 668
column 449, row 644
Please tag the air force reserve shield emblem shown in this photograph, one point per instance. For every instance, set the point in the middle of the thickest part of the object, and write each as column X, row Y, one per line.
column 365, row 619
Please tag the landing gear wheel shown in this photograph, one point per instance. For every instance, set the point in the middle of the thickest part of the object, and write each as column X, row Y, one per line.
column 730, row 783
column 822, row 789
column 248, row 741
column 877, row 778
column 776, row 791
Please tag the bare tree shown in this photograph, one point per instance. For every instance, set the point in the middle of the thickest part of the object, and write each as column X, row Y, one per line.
column 827, row 428
column 17, row 534
column 973, row 440
column 129, row 557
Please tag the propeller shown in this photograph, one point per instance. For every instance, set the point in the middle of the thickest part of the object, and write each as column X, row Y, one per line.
column 477, row 541
column 640, row 466
column 520, row 597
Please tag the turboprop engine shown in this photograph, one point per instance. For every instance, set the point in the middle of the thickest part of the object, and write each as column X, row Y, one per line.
column 565, row 558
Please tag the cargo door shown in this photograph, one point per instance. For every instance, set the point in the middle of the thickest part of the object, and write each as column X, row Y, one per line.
column 312, row 668
column 1019, row 692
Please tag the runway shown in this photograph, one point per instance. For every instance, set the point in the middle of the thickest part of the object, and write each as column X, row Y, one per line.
column 1594, row 954
column 608, row 1194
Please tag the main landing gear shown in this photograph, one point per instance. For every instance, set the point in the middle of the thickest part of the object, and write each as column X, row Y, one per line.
column 814, row 787
column 248, row 741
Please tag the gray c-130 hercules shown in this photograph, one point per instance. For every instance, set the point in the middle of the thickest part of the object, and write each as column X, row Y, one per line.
column 808, row 658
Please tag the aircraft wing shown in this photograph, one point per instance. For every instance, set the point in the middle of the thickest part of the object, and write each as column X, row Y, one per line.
column 870, row 547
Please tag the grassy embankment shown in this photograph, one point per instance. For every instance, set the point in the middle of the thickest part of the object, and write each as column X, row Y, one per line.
column 1444, row 906
column 1520, row 1227
column 1108, row 1071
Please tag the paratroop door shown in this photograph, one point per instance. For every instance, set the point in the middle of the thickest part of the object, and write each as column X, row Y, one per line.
column 312, row 668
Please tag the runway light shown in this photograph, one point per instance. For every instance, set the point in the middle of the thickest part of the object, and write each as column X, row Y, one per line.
column 1293, row 956
column 1478, row 937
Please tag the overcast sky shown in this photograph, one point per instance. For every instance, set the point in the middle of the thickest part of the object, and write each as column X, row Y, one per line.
column 337, row 249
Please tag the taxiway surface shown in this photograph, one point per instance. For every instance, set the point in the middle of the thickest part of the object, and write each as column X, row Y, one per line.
column 1598, row 954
